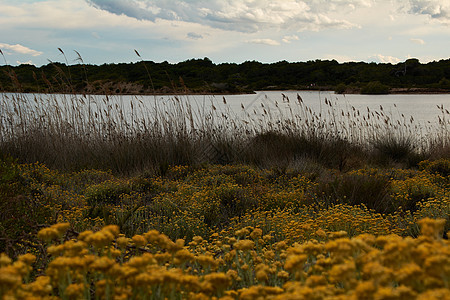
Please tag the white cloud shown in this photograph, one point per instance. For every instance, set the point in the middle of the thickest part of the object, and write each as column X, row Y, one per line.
column 242, row 16
column 269, row 42
column 289, row 38
column 17, row 48
column 418, row 41
column 386, row 59
column 29, row 62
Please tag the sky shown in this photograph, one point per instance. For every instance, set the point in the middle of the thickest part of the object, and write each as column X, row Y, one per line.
column 102, row 31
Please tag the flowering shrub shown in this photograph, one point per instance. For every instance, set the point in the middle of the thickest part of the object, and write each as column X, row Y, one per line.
column 245, row 265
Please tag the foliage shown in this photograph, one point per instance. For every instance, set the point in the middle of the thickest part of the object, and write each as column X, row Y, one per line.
column 375, row 88
column 202, row 75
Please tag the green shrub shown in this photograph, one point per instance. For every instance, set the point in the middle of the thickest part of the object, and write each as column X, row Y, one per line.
column 375, row 88
column 107, row 192
column 354, row 188
column 440, row 166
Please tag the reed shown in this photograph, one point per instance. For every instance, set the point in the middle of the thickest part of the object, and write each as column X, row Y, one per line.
column 72, row 132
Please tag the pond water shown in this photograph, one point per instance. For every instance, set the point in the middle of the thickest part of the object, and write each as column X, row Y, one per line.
column 424, row 108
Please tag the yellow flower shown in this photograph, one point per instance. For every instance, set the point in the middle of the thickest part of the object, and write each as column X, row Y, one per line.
column 433, row 228
column 102, row 264
column 113, row 229
column 244, row 245
column 262, row 273
column 216, row 281
column 4, row 260
column 206, row 260
column 139, row 241
column 365, row 290
column 122, row 242
column 61, row 227
column 183, row 255
column 48, row 234
column 256, row 233
column 75, row 290
column 40, row 287
column 295, row 262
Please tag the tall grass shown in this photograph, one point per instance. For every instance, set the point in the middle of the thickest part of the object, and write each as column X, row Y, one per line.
column 71, row 132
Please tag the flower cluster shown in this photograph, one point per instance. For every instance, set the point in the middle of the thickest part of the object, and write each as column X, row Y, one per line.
column 245, row 264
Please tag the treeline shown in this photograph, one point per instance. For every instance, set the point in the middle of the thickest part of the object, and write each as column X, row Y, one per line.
column 203, row 76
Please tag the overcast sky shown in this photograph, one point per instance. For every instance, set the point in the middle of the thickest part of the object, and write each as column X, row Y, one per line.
column 108, row 31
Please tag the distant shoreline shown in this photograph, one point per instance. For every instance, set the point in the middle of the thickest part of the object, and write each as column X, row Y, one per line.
column 393, row 91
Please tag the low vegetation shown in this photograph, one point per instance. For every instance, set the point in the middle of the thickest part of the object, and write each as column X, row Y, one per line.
column 231, row 232
column 107, row 199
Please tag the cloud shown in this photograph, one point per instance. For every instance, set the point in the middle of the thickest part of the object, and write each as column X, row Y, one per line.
column 96, row 35
column 386, row 59
column 17, row 48
column 241, row 16
column 194, row 36
column 289, row 38
column 418, row 41
column 269, row 42
column 436, row 9
column 29, row 62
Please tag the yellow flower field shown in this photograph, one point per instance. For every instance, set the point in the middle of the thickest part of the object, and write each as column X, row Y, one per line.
column 244, row 265
column 225, row 232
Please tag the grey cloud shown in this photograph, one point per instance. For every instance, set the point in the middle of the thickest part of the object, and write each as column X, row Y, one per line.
column 436, row 9
column 194, row 36
column 242, row 16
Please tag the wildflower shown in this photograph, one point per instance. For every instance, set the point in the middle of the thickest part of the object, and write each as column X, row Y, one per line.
column 122, row 242
column 435, row 294
column 102, row 264
column 283, row 275
column 233, row 274
column 321, row 233
column 100, row 239
column 113, row 229
column 61, row 228
column 48, row 234
column 244, row 245
column 139, row 241
column 4, row 260
column 84, row 235
column 152, row 236
column 242, row 232
column 10, row 277
column 315, row 280
column 281, row 246
column 183, row 255
column 197, row 240
column 256, row 234
column 206, row 261
column 342, row 272
column 41, row 286
column 432, row 228
column 75, row 290
column 295, row 262
column 262, row 271
column 217, row 281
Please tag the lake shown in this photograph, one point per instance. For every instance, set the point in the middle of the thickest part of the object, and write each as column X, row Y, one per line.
column 422, row 107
